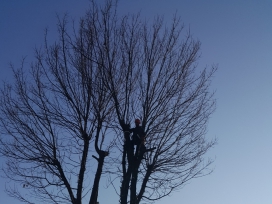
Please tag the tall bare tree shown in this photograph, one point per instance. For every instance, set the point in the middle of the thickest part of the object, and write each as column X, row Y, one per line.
column 52, row 119
column 85, row 91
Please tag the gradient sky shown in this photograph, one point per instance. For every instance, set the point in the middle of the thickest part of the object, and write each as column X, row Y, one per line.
column 236, row 35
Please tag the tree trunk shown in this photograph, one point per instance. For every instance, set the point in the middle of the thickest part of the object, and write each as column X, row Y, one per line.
column 128, row 151
column 94, row 195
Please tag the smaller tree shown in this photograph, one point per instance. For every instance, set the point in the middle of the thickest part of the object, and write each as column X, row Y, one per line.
column 52, row 119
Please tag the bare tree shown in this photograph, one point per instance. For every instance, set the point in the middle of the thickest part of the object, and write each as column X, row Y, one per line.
column 93, row 84
column 52, row 119
column 152, row 74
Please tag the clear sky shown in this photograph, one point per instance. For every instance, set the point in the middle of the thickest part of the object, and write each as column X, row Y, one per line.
column 236, row 35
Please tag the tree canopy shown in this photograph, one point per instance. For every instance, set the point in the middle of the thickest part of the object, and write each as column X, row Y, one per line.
column 66, row 120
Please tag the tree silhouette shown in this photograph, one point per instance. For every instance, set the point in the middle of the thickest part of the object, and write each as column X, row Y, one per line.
column 74, row 108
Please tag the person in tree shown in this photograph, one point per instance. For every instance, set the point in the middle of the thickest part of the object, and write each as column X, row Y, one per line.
column 138, row 137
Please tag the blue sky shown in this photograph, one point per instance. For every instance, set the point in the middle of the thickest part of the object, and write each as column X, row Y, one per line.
column 236, row 35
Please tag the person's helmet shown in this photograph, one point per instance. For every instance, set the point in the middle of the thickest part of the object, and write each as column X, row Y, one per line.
column 137, row 121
